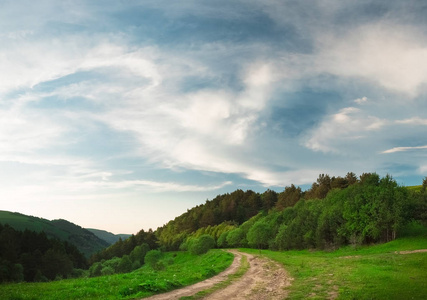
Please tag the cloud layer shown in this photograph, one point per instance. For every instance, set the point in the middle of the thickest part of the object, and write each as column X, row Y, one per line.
column 126, row 103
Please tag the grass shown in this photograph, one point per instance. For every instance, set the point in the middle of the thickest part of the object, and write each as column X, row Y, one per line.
column 375, row 272
column 181, row 269
column 416, row 188
column 244, row 267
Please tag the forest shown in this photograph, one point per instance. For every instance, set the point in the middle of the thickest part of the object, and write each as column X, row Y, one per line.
column 333, row 212
column 32, row 256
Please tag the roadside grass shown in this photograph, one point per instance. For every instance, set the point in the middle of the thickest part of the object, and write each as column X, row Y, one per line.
column 181, row 269
column 374, row 272
column 243, row 268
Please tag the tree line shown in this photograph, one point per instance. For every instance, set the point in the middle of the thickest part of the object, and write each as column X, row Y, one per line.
column 31, row 256
column 125, row 247
column 335, row 211
column 239, row 206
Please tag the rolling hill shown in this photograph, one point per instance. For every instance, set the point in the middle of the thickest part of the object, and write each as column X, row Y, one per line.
column 109, row 237
column 87, row 242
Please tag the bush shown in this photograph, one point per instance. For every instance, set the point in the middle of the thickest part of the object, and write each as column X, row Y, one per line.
column 236, row 238
column 202, row 244
column 125, row 264
column 152, row 258
column 107, row 271
column 222, row 240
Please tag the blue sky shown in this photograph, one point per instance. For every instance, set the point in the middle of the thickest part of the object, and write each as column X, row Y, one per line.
column 121, row 115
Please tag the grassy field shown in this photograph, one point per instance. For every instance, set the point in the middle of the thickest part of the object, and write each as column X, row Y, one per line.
column 375, row 272
column 181, row 269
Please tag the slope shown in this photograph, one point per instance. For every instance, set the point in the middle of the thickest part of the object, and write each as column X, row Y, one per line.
column 109, row 237
column 83, row 239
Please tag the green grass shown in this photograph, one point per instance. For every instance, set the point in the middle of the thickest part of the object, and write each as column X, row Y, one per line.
column 181, row 269
column 415, row 188
column 375, row 272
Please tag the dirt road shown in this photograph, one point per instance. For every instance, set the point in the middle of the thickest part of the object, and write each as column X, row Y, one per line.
column 265, row 279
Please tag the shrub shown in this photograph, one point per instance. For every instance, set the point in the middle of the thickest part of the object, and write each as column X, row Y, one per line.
column 202, row 244
column 152, row 258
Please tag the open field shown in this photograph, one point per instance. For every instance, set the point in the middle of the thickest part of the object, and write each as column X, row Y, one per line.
column 181, row 269
column 376, row 272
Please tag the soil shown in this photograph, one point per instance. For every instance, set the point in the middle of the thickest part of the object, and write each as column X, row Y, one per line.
column 265, row 279
column 412, row 251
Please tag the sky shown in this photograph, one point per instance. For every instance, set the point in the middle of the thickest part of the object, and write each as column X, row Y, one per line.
column 121, row 115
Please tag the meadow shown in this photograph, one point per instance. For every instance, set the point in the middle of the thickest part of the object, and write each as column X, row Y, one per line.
column 180, row 269
column 366, row 272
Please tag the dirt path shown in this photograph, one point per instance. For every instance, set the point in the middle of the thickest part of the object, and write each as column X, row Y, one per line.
column 411, row 251
column 203, row 285
column 265, row 279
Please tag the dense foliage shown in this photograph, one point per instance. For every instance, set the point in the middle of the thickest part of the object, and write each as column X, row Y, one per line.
column 31, row 256
column 333, row 212
column 125, row 247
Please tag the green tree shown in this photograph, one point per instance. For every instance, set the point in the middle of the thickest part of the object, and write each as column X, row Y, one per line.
column 236, row 238
column 202, row 244
column 139, row 252
column 259, row 234
column 107, row 270
column 222, row 240
column 289, row 197
column 125, row 265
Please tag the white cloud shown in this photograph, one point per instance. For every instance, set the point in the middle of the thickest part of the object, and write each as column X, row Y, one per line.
column 361, row 100
column 340, row 132
column 161, row 186
column 25, row 132
column 392, row 55
column 413, row 121
column 402, row 149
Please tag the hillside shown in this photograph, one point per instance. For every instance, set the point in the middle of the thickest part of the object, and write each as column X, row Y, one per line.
column 109, row 237
column 84, row 240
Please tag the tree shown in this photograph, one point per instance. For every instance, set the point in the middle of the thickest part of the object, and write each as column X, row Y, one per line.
column 268, row 199
column 259, row 234
column 289, row 197
column 125, row 264
column 202, row 244
column 222, row 240
column 236, row 238
column 139, row 252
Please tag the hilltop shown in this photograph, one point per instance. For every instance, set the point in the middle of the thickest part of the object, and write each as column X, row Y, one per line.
column 109, row 237
column 85, row 241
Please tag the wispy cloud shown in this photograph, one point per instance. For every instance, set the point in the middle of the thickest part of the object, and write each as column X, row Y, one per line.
column 413, row 121
column 402, row 149
column 124, row 100
column 338, row 132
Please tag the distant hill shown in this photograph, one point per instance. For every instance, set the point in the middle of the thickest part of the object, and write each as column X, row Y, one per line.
column 109, row 237
column 87, row 242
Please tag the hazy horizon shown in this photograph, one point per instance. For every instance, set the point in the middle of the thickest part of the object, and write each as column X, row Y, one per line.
column 121, row 115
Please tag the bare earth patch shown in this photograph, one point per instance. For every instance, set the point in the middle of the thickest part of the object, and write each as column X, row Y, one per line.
column 265, row 279
column 412, row 251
